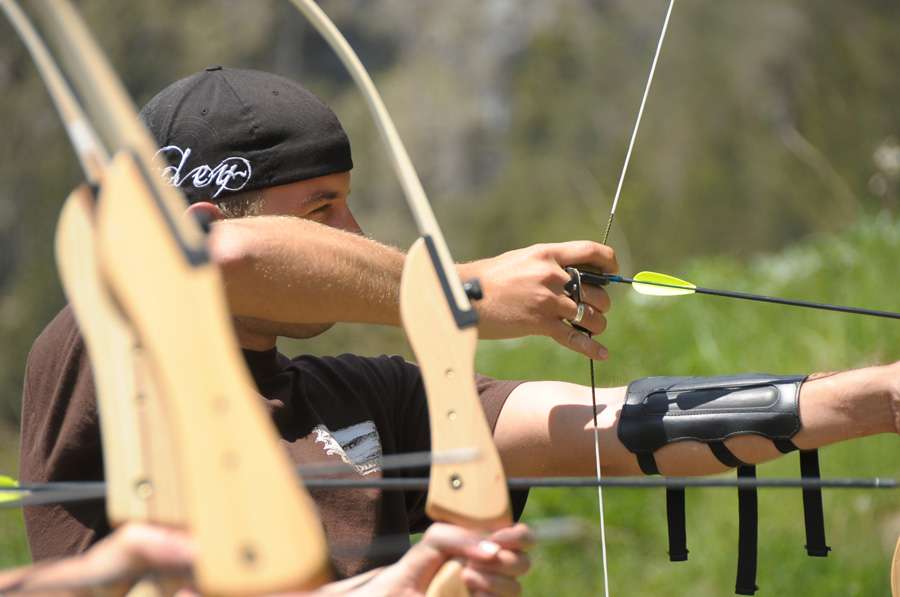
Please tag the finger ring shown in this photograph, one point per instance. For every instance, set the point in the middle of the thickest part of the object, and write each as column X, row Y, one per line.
column 579, row 314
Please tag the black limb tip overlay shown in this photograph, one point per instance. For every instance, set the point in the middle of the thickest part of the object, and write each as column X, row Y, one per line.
column 473, row 289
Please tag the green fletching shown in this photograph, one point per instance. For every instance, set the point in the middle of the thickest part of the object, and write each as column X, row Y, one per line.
column 6, row 481
column 656, row 284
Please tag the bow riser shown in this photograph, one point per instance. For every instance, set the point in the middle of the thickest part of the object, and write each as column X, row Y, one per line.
column 110, row 344
column 134, row 492
column 163, row 491
column 472, row 494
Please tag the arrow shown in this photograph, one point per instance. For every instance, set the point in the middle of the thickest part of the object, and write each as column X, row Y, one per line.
column 657, row 284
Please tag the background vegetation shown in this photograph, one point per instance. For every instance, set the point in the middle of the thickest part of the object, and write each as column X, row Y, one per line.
column 768, row 161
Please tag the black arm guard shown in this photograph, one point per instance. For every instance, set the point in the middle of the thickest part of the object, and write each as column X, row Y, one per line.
column 662, row 410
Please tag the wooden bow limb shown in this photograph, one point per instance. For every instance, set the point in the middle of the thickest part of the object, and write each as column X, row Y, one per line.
column 440, row 324
column 153, row 261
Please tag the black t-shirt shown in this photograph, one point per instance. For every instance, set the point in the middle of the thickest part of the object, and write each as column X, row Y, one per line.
column 346, row 408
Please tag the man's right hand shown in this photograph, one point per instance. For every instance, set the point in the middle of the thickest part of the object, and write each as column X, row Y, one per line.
column 524, row 294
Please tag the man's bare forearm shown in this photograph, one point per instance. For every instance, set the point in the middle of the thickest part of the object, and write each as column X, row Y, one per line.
column 299, row 271
column 545, row 428
column 295, row 271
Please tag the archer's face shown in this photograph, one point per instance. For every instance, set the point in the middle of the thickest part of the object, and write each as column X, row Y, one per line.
column 322, row 199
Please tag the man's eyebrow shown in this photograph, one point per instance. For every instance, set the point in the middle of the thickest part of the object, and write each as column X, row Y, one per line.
column 320, row 195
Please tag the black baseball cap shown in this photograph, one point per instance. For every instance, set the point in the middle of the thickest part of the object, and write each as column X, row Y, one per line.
column 225, row 131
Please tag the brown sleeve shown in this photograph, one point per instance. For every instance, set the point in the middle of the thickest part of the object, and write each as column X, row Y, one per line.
column 61, row 439
column 493, row 394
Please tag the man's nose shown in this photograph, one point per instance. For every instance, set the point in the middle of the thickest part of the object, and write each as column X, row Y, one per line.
column 345, row 221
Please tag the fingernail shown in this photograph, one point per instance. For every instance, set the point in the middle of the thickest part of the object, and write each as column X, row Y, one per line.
column 489, row 548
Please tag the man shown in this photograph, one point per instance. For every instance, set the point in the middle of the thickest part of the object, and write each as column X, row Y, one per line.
column 245, row 143
column 60, row 437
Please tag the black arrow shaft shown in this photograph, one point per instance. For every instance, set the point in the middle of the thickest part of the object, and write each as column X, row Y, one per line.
column 603, row 279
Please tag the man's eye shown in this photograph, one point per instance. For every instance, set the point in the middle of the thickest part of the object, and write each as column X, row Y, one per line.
column 320, row 210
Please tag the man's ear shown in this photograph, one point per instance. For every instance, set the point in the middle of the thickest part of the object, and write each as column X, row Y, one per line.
column 205, row 213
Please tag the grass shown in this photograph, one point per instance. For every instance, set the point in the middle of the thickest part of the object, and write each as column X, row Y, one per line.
column 708, row 336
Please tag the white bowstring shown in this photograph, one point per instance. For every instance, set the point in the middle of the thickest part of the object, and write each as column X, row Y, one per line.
column 637, row 123
column 599, row 487
column 612, row 214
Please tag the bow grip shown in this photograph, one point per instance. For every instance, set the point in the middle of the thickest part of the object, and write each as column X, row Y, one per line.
column 448, row 581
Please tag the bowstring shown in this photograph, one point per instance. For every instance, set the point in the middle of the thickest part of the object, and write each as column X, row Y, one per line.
column 612, row 215
column 637, row 122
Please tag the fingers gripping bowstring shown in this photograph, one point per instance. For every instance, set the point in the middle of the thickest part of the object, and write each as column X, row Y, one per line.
column 612, row 215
